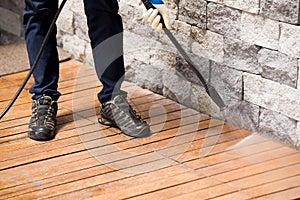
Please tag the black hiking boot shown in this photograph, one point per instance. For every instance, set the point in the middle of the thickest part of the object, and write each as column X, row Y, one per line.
column 43, row 120
column 118, row 113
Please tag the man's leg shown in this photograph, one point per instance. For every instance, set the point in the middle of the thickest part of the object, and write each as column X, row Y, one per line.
column 37, row 18
column 105, row 24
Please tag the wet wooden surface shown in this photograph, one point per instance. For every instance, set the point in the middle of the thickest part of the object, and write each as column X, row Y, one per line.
column 189, row 155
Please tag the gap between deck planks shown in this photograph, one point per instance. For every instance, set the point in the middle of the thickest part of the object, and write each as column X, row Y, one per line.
column 81, row 163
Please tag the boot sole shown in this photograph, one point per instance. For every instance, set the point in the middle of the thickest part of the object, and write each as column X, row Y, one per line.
column 40, row 135
column 141, row 134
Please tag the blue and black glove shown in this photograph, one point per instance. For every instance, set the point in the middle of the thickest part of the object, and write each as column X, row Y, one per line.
column 153, row 16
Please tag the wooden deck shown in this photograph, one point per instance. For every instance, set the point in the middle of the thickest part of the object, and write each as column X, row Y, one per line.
column 189, row 156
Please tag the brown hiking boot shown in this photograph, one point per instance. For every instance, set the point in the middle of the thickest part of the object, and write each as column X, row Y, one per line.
column 43, row 119
column 118, row 113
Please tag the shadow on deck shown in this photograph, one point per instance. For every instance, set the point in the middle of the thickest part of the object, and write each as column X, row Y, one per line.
column 189, row 156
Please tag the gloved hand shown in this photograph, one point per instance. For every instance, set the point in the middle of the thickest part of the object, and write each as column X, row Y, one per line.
column 153, row 16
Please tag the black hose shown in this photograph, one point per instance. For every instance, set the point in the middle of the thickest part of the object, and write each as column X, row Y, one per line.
column 52, row 26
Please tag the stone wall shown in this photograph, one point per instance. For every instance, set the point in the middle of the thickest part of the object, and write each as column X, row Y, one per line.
column 249, row 50
column 11, row 20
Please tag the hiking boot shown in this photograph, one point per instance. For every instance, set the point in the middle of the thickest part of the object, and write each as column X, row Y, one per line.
column 118, row 113
column 43, row 119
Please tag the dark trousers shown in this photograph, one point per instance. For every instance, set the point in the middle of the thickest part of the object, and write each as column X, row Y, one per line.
column 103, row 23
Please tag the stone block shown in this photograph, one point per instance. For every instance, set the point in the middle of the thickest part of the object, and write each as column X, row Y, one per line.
column 150, row 77
column 76, row 6
column 251, row 6
column 278, row 126
column 74, row 45
column 10, row 22
column 143, row 53
column 176, row 88
column 285, row 11
column 242, row 114
column 6, row 38
column 298, row 83
column 278, row 67
column 184, row 69
column 162, row 57
column 131, row 16
column 65, row 22
column 201, row 101
column 80, row 26
column 182, row 33
column 241, row 55
column 137, row 47
column 131, row 70
column 228, row 82
column 16, row 6
column 272, row 96
column 260, row 31
column 298, row 136
column 289, row 42
column 130, row 2
column 223, row 20
column 172, row 5
column 193, row 12
column 146, row 76
column 207, row 44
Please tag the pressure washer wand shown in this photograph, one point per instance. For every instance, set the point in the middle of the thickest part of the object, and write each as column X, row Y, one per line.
column 211, row 91
column 47, row 37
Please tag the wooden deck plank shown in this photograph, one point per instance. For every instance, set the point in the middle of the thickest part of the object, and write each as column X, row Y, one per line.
column 263, row 167
column 240, row 195
column 188, row 178
column 287, row 188
column 8, row 93
column 176, row 190
column 267, row 177
column 88, row 160
column 268, row 189
column 291, row 193
column 242, row 162
column 5, row 83
column 21, row 100
column 18, row 78
column 252, row 154
column 95, row 181
column 207, row 193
